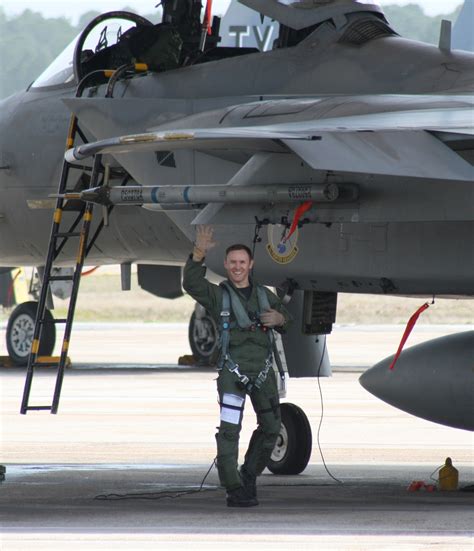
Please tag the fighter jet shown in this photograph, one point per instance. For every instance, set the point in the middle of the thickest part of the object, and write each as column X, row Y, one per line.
column 344, row 154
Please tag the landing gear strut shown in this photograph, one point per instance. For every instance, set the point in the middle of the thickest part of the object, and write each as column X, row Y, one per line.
column 203, row 336
column 20, row 329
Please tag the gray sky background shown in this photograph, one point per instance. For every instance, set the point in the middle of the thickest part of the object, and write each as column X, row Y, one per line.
column 72, row 10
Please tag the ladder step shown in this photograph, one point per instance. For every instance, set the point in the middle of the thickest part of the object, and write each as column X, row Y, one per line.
column 61, row 278
column 54, row 320
column 72, row 165
column 51, row 361
column 38, row 408
column 67, row 234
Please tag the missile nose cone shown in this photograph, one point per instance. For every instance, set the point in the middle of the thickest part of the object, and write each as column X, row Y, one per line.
column 97, row 195
column 89, row 195
column 432, row 380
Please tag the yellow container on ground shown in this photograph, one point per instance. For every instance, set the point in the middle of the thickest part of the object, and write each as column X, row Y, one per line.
column 448, row 477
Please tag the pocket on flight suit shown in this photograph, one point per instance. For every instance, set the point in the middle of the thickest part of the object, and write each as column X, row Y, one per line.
column 231, row 399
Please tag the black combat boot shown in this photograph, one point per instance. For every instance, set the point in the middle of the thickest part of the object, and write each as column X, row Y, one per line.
column 240, row 498
column 249, row 482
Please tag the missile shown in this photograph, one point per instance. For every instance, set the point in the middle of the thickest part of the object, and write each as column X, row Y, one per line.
column 198, row 195
column 433, row 380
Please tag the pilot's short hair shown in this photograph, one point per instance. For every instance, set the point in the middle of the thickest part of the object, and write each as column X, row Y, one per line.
column 239, row 247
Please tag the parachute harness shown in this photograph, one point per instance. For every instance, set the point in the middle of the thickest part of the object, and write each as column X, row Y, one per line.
column 231, row 300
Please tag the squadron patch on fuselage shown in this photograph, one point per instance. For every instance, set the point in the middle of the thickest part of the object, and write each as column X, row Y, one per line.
column 280, row 249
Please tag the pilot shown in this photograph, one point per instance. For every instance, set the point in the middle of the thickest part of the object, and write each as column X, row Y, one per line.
column 246, row 314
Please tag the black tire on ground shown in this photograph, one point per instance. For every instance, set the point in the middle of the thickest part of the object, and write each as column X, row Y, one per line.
column 20, row 327
column 293, row 448
column 203, row 340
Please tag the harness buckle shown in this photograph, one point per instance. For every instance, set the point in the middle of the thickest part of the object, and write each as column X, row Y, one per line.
column 282, row 387
column 234, row 368
column 244, row 379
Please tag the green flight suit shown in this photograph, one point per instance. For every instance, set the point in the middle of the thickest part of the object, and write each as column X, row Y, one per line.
column 249, row 349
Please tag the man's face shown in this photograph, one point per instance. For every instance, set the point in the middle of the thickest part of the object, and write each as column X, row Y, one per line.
column 238, row 266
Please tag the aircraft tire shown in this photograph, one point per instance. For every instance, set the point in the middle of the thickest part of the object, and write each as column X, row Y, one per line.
column 19, row 336
column 293, row 448
column 203, row 340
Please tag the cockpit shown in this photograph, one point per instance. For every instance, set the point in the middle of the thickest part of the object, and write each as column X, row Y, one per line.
column 186, row 36
column 103, row 34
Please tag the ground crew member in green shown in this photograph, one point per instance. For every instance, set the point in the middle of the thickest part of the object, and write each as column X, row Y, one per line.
column 249, row 350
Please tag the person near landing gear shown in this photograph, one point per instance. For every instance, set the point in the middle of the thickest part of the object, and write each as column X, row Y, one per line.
column 246, row 313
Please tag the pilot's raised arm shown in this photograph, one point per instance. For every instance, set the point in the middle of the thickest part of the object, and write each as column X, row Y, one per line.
column 194, row 274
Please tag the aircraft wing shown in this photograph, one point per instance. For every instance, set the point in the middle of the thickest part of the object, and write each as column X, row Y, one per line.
column 399, row 143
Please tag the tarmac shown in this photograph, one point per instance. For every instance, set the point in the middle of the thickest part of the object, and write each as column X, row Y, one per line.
column 121, row 464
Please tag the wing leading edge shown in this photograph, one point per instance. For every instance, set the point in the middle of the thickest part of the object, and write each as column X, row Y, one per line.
column 397, row 143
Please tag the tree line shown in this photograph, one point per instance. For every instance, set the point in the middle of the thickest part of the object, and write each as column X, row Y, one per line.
column 29, row 42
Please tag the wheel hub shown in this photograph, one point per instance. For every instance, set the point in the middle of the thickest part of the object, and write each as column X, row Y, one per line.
column 22, row 335
column 281, row 446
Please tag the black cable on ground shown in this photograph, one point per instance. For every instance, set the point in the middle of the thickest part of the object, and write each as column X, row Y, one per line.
column 322, row 417
column 158, row 495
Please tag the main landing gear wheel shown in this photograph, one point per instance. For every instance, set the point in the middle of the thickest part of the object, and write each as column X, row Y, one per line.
column 203, row 337
column 20, row 328
column 293, row 448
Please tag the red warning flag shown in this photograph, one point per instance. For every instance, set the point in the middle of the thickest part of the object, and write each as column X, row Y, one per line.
column 90, row 271
column 411, row 323
column 296, row 218
column 208, row 17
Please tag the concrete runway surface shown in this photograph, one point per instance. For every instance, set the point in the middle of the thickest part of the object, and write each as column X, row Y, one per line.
column 151, row 431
